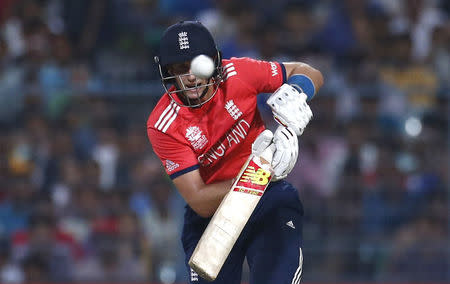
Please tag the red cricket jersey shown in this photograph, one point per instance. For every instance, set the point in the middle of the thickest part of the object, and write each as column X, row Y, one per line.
column 215, row 138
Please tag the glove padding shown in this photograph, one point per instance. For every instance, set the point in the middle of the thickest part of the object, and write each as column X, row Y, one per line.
column 289, row 108
column 263, row 145
column 280, row 149
column 286, row 152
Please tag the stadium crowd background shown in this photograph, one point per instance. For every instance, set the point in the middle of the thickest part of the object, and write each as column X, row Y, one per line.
column 82, row 197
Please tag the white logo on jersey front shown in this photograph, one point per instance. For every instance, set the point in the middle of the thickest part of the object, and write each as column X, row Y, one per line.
column 273, row 66
column 196, row 137
column 183, row 40
column 170, row 166
column 233, row 110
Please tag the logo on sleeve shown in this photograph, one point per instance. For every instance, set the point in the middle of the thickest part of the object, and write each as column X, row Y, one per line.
column 183, row 40
column 233, row 110
column 170, row 166
column 196, row 137
column 274, row 68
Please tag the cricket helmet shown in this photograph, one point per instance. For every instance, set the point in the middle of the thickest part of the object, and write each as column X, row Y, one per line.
column 180, row 43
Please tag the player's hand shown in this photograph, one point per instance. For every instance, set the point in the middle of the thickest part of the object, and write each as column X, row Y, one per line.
column 289, row 108
column 263, row 145
column 286, row 152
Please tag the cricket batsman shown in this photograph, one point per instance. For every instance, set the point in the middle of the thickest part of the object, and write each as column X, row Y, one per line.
column 205, row 127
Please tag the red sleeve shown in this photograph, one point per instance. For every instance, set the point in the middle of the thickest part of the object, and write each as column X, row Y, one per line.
column 176, row 157
column 263, row 76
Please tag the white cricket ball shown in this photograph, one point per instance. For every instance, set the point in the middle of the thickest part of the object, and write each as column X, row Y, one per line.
column 202, row 66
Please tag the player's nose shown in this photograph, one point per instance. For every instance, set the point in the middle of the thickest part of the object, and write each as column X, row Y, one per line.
column 190, row 76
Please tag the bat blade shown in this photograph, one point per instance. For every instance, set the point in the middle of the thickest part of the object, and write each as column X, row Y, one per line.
column 230, row 218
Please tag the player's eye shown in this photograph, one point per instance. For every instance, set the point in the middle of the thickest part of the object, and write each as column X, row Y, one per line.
column 179, row 68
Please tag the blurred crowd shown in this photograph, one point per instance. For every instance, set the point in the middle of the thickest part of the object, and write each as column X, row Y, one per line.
column 83, row 198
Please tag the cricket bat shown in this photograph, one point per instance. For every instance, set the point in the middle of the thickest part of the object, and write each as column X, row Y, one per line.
column 231, row 216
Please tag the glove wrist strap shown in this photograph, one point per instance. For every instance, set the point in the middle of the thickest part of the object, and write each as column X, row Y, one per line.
column 303, row 84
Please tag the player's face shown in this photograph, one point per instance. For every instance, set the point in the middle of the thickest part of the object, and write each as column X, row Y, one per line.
column 192, row 87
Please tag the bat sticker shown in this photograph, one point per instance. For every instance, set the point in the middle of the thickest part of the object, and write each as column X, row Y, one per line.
column 253, row 180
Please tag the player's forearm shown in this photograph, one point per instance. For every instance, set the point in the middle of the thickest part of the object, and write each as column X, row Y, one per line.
column 293, row 68
column 202, row 198
column 207, row 198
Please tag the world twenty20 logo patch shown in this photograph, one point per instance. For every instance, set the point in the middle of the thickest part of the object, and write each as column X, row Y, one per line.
column 196, row 137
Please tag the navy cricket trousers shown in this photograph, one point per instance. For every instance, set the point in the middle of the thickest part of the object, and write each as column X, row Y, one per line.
column 271, row 240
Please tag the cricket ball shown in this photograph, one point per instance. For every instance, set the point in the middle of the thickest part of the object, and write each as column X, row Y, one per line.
column 202, row 66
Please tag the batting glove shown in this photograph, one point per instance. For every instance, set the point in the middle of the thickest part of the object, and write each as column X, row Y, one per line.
column 286, row 152
column 290, row 109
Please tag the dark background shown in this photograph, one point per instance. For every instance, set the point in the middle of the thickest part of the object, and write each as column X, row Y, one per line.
column 83, row 198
